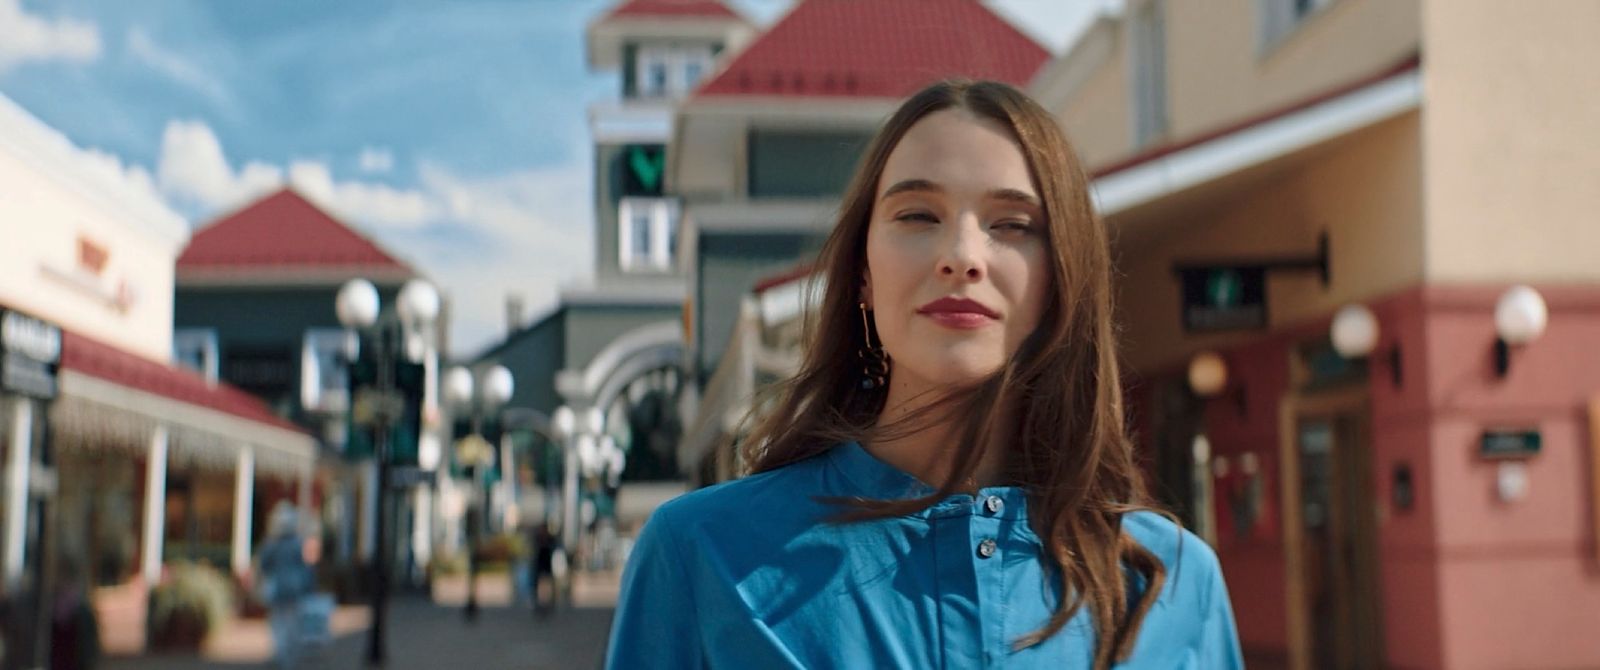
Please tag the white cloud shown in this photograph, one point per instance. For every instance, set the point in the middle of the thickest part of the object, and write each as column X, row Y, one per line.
column 374, row 159
column 173, row 66
column 193, row 167
column 27, row 37
column 362, row 201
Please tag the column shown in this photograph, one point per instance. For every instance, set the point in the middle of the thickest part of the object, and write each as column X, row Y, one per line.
column 422, row 527
column 155, row 505
column 243, row 497
column 16, row 491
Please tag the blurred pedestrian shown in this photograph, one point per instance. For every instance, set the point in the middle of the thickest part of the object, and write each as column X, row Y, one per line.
column 283, row 580
column 543, row 542
column 74, row 628
column 947, row 481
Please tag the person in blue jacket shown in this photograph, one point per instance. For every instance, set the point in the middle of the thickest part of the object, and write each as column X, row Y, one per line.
column 947, row 482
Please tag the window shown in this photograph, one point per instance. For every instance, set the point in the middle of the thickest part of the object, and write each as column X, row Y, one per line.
column 324, row 369
column 1280, row 18
column 801, row 163
column 671, row 71
column 1148, row 42
column 196, row 349
column 648, row 237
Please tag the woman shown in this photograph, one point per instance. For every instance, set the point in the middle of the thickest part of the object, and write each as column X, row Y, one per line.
column 284, row 580
column 964, row 493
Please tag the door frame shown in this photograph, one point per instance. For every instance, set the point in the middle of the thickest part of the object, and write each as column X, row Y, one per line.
column 1294, row 406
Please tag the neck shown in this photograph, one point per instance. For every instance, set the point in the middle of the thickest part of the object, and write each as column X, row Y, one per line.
column 923, row 446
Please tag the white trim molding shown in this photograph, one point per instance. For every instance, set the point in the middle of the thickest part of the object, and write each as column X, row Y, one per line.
column 1187, row 168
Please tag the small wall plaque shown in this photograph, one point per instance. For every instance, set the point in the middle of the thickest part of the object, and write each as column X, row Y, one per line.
column 1510, row 443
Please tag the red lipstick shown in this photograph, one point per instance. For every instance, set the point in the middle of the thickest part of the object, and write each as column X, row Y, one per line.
column 958, row 313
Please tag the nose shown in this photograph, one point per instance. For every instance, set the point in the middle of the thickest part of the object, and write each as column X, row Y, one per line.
column 963, row 252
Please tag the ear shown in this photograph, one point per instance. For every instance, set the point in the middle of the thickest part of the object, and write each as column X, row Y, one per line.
column 866, row 288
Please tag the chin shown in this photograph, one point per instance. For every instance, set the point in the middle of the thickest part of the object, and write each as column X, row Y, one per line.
column 947, row 373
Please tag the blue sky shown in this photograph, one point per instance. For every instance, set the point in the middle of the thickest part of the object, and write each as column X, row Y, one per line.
column 453, row 132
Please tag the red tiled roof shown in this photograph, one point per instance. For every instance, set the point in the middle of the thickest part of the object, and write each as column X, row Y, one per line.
column 673, row 8
column 793, row 274
column 878, row 49
column 97, row 359
column 282, row 230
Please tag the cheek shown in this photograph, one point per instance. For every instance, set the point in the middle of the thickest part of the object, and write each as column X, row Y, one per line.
column 1029, row 277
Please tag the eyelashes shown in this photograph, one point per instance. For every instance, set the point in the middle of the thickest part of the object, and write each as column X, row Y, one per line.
column 1003, row 225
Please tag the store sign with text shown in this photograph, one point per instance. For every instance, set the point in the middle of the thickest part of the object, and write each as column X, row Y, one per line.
column 30, row 353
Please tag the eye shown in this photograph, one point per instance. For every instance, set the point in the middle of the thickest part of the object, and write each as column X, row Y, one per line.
column 916, row 217
column 1013, row 225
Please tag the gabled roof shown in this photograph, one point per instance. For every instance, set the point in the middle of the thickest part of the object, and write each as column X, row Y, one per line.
column 284, row 231
column 689, row 9
column 878, row 49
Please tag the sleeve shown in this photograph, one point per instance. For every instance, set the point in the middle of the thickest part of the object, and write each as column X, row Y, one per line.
column 656, row 625
column 1219, row 644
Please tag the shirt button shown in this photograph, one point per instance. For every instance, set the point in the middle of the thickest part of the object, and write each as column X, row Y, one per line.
column 994, row 504
column 986, row 548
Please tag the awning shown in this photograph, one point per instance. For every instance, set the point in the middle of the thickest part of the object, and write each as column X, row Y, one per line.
column 114, row 399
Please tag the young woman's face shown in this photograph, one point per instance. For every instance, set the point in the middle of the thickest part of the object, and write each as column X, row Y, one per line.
column 956, row 258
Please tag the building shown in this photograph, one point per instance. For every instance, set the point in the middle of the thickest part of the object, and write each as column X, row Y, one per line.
column 255, row 308
column 116, row 460
column 617, row 348
column 1407, row 502
column 760, row 155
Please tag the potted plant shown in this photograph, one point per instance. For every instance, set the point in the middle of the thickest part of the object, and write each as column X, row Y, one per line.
column 190, row 602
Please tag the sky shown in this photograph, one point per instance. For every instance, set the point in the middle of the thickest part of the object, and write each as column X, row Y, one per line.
column 454, row 133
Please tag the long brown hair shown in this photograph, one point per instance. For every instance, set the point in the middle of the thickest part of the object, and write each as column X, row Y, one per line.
column 1053, row 411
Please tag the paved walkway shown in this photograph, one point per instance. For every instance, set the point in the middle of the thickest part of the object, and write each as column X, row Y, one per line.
column 431, row 633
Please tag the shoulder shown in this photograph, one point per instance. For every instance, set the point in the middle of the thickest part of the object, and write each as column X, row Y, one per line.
column 786, row 489
column 1189, row 561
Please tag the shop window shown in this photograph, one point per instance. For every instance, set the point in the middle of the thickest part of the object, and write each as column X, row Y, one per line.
column 324, row 370
column 670, row 70
column 647, row 235
column 1280, row 18
column 1149, row 73
column 196, row 349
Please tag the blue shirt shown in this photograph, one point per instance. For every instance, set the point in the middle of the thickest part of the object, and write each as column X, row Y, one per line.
column 748, row 574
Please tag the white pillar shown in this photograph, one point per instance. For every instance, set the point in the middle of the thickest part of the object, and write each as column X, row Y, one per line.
column 155, row 505
column 16, row 521
column 422, row 526
column 243, row 497
column 508, row 485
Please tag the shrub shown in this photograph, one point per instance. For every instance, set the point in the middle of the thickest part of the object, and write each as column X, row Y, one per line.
column 190, row 602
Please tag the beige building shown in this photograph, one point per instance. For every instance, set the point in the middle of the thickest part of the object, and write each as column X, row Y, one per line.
column 1265, row 163
column 93, row 414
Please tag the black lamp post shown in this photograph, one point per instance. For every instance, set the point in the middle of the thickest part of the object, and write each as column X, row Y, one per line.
column 381, row 405
column 476, row 453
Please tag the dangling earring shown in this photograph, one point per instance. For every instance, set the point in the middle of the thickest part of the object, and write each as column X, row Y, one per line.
column 874, row 363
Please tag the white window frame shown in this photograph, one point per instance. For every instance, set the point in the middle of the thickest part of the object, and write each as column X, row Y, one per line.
column 1148, row 72
column 321, row 348
column 675, row 61
column 203, row 339
column 1277, row 20
column 663, row 222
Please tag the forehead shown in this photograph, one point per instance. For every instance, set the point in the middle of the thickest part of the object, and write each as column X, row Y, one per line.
column 961, row 152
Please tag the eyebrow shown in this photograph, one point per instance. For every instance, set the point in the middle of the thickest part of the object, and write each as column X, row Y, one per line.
column 925, row 186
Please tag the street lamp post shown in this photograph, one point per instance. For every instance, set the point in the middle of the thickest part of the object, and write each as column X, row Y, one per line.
column 359, row 309
column 475, row 452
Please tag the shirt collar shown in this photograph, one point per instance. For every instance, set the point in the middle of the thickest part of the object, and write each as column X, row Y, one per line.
column 872, row 478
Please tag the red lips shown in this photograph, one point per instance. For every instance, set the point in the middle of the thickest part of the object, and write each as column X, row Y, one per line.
column 959, row 313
